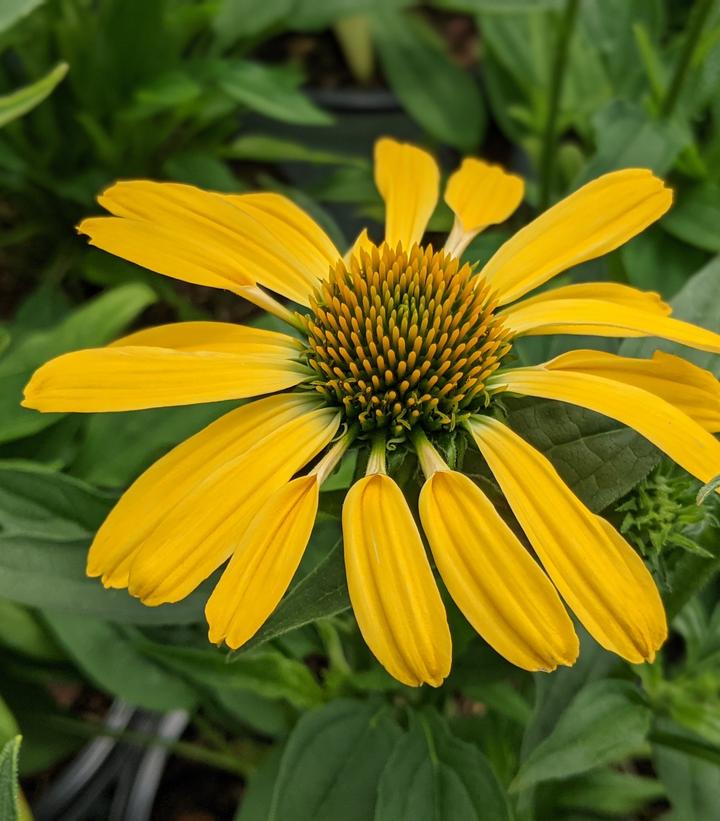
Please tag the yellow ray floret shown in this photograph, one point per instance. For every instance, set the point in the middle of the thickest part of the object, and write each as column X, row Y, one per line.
column 593, row 221
column 492, row 578
column 599, row 575
column 392, row 589
column 264, row 563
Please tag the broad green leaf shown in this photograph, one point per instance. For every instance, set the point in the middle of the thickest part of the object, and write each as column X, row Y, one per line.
column 332, row 763
column 695, row 217
column 94, row 323
column 655, row 261
column 605, row 722
column 8, row 725
column 23, row 633
column 47, row 573
column 117, row 447
column 37, row 501
column 257, row 796
column 434, row 775
column 25, row 99
column 609, row 792
column 266, row 148
column 698, row 302
column 311, row 15
column 627, row 137
column 11, row 11
column 265, row 672
column 9, row 790
column 443, row 98
column 105, row 654
column 321, row 593
column 598, row 458
column 269, row 90
column 244, row 19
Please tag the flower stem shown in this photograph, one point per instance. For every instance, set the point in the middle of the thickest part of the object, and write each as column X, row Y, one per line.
column 376, row 462
column 698, row 16
column 328, row 463
column 430, row 460
column 547, row 156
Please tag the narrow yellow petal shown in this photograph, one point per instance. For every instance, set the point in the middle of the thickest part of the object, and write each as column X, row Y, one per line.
column 648, row 301
column 263, row 564
column 597, row 573
column 362, row 243
column 479, row 194
column 187, row 233
column 691, row 389
column 206, row 526
column 392, row 589
column 667, row 427
column 493, row 579
column 164, row 485
column 595, row 317
column 137, row 377
column 211, row 336
column 409, row 181
column 592, row 221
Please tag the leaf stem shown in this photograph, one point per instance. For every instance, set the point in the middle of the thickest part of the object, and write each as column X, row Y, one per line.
column 547, row 156
column 698, row 16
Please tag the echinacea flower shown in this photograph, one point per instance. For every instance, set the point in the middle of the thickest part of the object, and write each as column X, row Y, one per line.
column 394, row 345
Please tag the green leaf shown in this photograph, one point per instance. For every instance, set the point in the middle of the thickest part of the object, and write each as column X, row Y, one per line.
column 321, row 593
column 257, row 795
column 11, row 11
column 604, row 723
column 598, row 458
column 271, row 91
column 37, row 501
column 48, row 573
column 608, row 792
column 9, row 790
column 95, row 323
column 23, row 633
column 627, row 137
column 104, row 653
column 697, row 302
column 25, row 99
column 8, row 725
column 443, row 98
column 244, row 19
column 434, row 775
column 265, row 148
column 265, row 672
column 311, row 15
column 655, row 261
column 332, row 763
column 695, row 217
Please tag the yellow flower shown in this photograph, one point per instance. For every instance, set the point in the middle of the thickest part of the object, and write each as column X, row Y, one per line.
column 397, row 344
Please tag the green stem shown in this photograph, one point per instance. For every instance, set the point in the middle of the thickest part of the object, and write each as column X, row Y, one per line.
column 697, row 748
column 547, row 156
column 182, row 749
column 698, row 16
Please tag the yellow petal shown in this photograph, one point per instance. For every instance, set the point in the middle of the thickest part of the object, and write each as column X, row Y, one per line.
column 691, row 389
column 595, row 317
column 211, row 336
column 263, row 564
column 206, row 238
column 593, row 221
column 362, row 243
column 206, row 526
column 479, row 194
column 597, row 573
column 137, row 377
column 163, row 486
column 667, row 427
column 392, row 589
column 409, row 181
column 493, row 579
column 648, row 301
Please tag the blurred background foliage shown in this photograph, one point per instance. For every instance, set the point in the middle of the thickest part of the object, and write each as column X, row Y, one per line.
column 289, row 95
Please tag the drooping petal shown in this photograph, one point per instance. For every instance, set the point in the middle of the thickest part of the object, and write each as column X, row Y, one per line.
column 233, row 442
column 592, row 221
column 134, row 377
column 595, row 317
column 211, row 336
column 691, row 389
column 409, row 181
column 263, row 564
column 392, row 589
column 597, row 573
column 667, row 427
column 479, row 194
column 493, row 579
column 207, row 238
